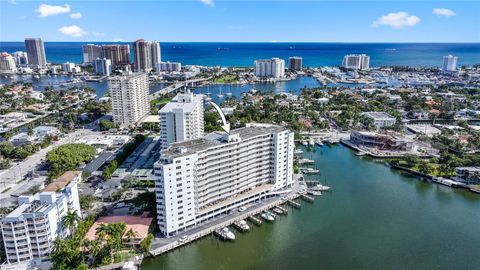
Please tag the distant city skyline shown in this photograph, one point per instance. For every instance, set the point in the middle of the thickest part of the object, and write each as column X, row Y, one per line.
column 237, row 21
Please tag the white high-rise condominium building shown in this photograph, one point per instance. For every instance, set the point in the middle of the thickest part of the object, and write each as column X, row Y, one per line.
column 91, row 52
column 200, row 179
column 181, row 119
column 356, row 61
column 169, row 66
column 130, row 98
column 20, row 58
column 68, row 67
column 146, row 55
column 270, row 68
column 449, row 63
column 31, row 229
column 102, row 66
column 7, row 63
column 35, row 52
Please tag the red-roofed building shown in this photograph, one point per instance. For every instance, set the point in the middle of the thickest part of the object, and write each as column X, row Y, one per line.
column 138, row 224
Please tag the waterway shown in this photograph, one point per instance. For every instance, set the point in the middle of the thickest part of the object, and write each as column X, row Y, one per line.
column 61, row 82
column 373, row 218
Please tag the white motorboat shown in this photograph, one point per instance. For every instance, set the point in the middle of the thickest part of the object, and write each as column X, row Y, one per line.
column 278, row 211
column 309, row 171
column 241, row 225
column 267, row 216
column 320, row 187
column 319, row 143
column 225, row 234
column 311, row 142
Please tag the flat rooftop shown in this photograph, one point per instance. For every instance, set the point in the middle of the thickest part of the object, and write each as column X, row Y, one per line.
column 218, row 138
column 379, row 115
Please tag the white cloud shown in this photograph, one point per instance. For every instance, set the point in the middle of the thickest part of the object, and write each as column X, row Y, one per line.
column 397, row 20
column 76, row 15
column 210, row 3
column 98, row 34
column 444, row 12
column 45, row 10
column 73, row 31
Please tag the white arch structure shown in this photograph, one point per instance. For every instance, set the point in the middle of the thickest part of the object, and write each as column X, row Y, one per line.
column 226, row 125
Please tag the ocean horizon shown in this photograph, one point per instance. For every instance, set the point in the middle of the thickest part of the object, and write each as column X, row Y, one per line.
column 228, row 54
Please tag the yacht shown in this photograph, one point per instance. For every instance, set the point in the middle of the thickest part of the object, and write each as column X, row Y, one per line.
column 319, row 143
column 208, row 98
column 241, row 225
column 277, row 211
column 229, row 93
column 311, row 142
column 225, row 233
column 267, row 216
column 220, row 95
column 320, row 187
column 314, row 192
column 309, row 171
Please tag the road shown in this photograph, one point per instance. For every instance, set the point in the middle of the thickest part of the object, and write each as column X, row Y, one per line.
column 18, row 171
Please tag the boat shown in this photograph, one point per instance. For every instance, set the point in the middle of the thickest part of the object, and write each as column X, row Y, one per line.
column 314, row 192
column 225, row 234
column 320, row 187
column 36, row 77
column 304, row 143
column 277, row 211
column 220, row 95
column 319, row 143
column 306, row 161
column 311, row 142
column 208, row 98
column 268, row 217
column 361, row 153
column 229, row 93
column 309, row 171
column 298, row 151
column 253, row 90
column 241, row 225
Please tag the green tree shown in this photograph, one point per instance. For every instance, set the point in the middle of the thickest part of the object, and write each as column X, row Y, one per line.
column 70, row 220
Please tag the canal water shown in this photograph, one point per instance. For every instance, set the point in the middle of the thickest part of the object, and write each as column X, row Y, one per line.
column 373, row 218
column 61, row 81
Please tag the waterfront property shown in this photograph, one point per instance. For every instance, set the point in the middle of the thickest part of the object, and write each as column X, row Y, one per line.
column 201, row 179
column 381, row 141
column 369, row 216
column 136, row 228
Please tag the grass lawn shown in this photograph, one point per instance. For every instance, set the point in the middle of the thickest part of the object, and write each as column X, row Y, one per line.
column 226, row 79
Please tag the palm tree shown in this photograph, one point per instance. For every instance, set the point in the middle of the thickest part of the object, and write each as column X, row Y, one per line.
column 102, row 231
column 131, row 234
column 70, row 220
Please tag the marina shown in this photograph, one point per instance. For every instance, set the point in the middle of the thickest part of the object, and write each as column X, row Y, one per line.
column 361, row 192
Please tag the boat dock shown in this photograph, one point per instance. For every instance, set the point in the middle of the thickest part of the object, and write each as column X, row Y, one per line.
column 294, row 203
column 307, row 198
column 163, row 244
column 255, row 220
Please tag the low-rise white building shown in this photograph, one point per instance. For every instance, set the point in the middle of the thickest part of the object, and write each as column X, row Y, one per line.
column 31, row 229
column 380, row 119
column 198, row 180
column 169, row 66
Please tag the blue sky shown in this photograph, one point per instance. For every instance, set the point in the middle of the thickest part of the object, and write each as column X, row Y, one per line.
column 245, row 21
